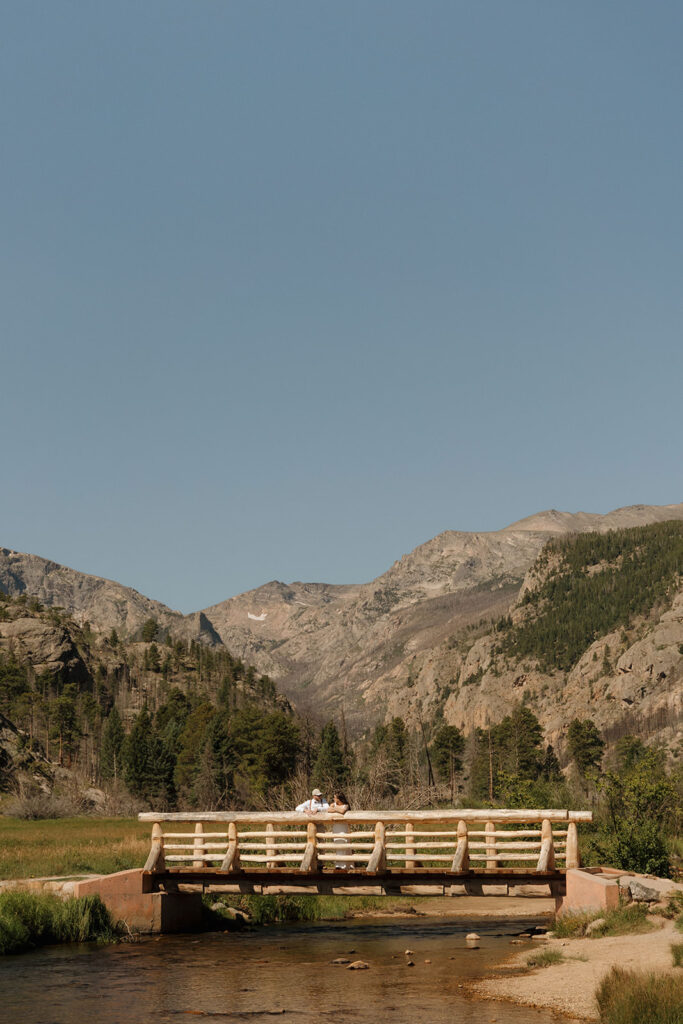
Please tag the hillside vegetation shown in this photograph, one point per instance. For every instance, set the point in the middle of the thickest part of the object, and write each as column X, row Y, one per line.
column 591, row 584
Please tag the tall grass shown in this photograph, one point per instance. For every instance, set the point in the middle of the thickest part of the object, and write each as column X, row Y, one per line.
column 278, row 909
column 71, row 846
column 28, row 920
column 628, row 920
column 545, row 958
column 625, row 997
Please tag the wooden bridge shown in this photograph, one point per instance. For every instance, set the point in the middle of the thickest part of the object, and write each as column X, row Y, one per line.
column 443, row 852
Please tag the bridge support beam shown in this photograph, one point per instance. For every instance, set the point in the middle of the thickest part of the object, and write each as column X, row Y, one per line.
column 128, row 897
column 588, row 890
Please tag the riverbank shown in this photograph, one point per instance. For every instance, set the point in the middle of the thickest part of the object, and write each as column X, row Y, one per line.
column 569, row 986
column 267, row 910
column 29, row 920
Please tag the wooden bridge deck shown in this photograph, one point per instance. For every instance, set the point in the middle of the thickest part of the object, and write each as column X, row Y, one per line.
column 449, row 852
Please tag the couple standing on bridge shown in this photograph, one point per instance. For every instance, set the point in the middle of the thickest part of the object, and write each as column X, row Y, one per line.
column 340, row 805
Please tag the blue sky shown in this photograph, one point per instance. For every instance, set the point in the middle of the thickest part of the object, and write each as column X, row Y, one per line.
column 287, row 289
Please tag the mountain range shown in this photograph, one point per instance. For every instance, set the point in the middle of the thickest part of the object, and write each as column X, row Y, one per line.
column 403, row 643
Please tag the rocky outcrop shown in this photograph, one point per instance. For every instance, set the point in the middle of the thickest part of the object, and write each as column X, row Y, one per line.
column 47, row 648
column 104, row 603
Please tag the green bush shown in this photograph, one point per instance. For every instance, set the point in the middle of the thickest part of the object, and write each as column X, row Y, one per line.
column 624, row 997
column 641, row 806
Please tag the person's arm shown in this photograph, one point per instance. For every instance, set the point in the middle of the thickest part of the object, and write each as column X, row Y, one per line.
column 303, row 807
column 339, row 808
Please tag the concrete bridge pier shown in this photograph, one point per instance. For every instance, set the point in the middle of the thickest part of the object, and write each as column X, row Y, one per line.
column 129, row 897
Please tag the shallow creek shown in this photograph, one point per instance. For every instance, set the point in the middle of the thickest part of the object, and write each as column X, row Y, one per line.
column 267, row 973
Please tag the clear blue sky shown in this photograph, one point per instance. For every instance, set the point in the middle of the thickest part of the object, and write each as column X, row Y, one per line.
column 288, row 288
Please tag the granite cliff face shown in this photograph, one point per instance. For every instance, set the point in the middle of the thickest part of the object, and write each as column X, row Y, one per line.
column 391, row 645
column 105, row 604
column 396, row 645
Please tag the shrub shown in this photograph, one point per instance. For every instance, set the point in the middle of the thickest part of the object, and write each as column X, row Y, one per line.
column 677, row 954
column 624, row 997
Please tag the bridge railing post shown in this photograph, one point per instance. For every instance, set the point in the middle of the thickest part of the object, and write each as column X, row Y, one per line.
column 199, row 848
column 491, row 851
column 310, row 858
column 378, row 857
column 270, row 845
column 410, row 848
column 461, row 858
column 572, row 849
column 546, row 859
column 231, row 861
column 155, row 860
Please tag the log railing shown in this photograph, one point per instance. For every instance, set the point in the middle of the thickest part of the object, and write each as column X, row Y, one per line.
column 371, row 843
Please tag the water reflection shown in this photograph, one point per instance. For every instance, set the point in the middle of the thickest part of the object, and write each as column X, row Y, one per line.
column 266, row 973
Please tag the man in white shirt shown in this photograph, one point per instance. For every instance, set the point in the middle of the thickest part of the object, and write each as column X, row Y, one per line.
column 315, row 804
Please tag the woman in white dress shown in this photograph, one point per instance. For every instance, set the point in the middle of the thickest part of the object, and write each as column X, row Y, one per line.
column 340, row 829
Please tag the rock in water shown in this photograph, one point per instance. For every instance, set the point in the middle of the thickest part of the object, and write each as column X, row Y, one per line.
column 340, row 961
column 358, row 965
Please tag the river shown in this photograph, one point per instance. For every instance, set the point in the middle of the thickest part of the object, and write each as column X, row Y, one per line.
column 262, row 974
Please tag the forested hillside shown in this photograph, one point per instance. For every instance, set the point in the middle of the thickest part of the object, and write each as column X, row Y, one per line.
column 169, row 720
column 584, row 587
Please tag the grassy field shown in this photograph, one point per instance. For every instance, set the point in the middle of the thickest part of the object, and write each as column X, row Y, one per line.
column 71, row 846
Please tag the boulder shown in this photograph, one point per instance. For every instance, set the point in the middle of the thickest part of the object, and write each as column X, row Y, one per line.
column 642, row 893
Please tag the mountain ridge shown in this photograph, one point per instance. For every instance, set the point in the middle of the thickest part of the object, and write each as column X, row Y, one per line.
column 360, row 649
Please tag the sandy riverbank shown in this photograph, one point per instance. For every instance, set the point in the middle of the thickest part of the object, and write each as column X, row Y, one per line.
column 569, row 987
column 468, row 907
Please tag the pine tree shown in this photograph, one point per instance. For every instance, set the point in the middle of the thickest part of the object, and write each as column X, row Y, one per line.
column 550, row 767
column 110, row 751
column 447, row 749
column 330, row 769
column 585, row 744
column 150, row 630
column 136, row 755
